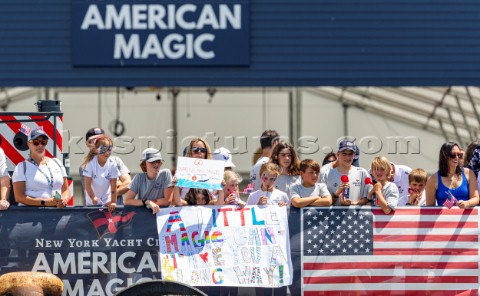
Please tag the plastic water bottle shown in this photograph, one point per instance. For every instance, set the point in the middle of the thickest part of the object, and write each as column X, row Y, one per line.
column 346, row 192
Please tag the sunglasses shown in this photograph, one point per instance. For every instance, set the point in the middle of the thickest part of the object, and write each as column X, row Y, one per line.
column 37, row 142
column 199, row 149
column 104, row 149
column 454, row 155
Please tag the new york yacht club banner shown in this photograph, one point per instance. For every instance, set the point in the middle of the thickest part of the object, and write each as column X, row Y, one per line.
column 348, row 251
column 93, row 251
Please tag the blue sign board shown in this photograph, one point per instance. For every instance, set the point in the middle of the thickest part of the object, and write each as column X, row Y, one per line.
column 160, row 33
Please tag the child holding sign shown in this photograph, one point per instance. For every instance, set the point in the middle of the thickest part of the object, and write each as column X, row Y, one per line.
column 268, row 194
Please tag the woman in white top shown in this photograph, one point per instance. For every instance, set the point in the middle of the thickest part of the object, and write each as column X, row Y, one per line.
column 101, row 174
column 40, row 181
column 152, row 188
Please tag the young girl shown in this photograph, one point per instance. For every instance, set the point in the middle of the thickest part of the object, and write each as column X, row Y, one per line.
column 285, row 156
column 197, row 197
column 101, row 175
column 386, row 192
column 268, row 194
column 230, row 190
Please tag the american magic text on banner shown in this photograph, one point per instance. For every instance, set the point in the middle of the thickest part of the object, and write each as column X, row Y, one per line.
column 225, row 246
column 160, row 32
column 93, row 251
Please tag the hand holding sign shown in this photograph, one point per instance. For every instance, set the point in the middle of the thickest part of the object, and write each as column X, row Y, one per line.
column 199, row 173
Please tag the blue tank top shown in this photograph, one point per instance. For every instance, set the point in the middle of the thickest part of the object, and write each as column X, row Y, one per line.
column 460, row 193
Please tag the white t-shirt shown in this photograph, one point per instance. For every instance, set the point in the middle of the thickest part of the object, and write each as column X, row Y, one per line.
column 255, row 172
column 286, row 182
column 120, row 166
column 320, row 189
column 273, row 197
column 404, row 199
column 37, row 178
column 324, row 170
column 356, row 177
column 3, row 164
column 401, row 178
column 101, row 177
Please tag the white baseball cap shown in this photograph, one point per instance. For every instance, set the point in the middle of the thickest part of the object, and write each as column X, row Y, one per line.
column 151, row 155
column 224, row 154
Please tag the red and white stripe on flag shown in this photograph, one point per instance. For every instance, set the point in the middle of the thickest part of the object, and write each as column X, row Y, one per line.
column 70, row 187
column 414, row 251
column 9, row 130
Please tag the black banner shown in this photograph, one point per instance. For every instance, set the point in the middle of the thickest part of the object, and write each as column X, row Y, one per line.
column 93, row 251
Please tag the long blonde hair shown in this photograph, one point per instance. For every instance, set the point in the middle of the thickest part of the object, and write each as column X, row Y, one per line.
column 99, row 142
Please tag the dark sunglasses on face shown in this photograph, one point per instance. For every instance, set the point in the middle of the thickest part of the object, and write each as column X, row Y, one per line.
column 37, row 142
column 104, row 149
column 199, row 149
column 454, row 155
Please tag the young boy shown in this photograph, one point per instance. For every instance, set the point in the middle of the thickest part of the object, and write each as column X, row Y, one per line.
column 416, row 194
column 309, row 192
column 386, row 192
column 268, row 194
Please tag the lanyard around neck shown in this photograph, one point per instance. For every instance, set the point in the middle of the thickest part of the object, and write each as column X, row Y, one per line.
column 49, row 180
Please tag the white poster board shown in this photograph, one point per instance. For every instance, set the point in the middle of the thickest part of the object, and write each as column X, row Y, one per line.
column 199, row 173
column 225, row 246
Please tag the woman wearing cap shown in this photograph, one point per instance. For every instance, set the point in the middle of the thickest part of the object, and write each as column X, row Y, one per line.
column 101, row 174
column 452, row 180
column 152, row 187
column 40, row 181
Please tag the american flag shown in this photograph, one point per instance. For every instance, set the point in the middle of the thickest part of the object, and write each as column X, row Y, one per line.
column 248, row 189
column 450, row 201
column 413, row 251
column 24, row 129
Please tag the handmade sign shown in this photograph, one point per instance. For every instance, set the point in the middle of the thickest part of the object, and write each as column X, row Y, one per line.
column 199, row 173
column 225, row 246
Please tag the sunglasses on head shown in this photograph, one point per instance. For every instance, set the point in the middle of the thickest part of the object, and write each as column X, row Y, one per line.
column 104, row 149
column 199, row 149
column 37, row 142
column 454, row 155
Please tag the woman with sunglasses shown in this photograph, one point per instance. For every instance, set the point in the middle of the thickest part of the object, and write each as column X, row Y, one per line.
column 152, row 187
column 101, row 174
column 452, row 180
column 198, row 148
column 40, row 181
